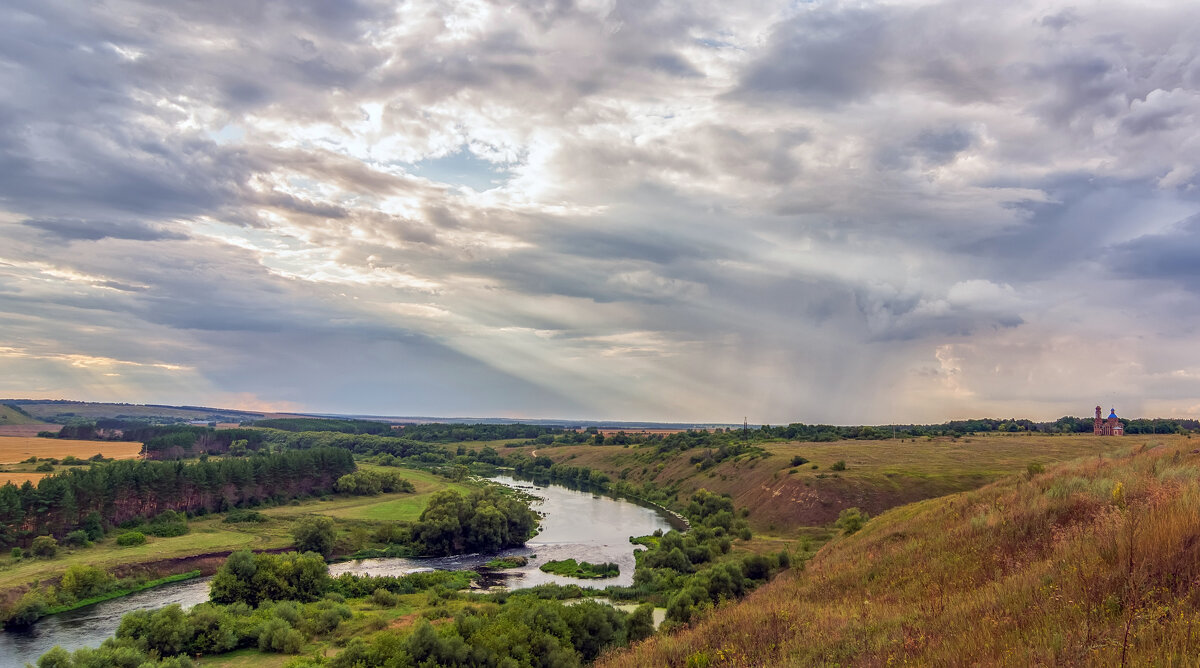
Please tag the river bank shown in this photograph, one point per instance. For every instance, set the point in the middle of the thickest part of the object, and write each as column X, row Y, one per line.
column 575, row 524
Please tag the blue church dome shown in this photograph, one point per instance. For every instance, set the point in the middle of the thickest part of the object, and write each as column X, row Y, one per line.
column 1112, row 413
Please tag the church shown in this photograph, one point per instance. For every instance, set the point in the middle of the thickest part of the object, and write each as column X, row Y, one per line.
column 1109, row 427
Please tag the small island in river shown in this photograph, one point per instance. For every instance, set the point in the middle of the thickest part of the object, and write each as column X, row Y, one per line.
column 583, row 569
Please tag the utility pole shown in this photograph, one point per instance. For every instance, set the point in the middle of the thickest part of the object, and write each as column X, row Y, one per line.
column 746, row 428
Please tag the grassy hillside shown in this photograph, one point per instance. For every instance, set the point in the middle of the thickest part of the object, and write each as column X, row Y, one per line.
column 878, row 475
column 12, row 415
column 1091, row 563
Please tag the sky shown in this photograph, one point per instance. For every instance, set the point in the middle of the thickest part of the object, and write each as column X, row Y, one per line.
column 820, row 212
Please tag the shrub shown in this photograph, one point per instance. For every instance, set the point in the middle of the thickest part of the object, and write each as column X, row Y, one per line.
column 329, row 617
column 279, row 636
column 82, row 581
column 44, row 546
column 77, row 538
column 241, row 516
column 384, row 598
column 28, row 610
column 798, row 460
column 839, row 465
column 756, row 567
column 851, row 520
column 640, row 624
column 17, row 553
column 314, row 534
column 44, row 467
column 168, row 524
column 1035, row 468
column 130, row 538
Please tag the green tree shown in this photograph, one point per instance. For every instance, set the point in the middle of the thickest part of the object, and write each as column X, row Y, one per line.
column 640, row 624
column 57, row 657
column 314, row 534
column 82, row 581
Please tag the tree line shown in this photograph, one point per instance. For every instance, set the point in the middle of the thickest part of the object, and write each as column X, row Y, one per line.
column 324, row 424
column 171, row 441
column 120, row 491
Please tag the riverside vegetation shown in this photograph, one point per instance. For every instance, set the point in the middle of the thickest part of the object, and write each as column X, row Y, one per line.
column 246, row 610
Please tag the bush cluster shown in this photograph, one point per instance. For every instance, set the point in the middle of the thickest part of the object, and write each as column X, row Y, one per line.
column 373, row 482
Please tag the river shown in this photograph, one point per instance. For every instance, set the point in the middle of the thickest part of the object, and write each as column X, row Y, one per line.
column 577, row 525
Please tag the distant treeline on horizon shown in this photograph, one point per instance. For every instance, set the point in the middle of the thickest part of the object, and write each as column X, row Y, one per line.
column 172, row 441
column 451, row 430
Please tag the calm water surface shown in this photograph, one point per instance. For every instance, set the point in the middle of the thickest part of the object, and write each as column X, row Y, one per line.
column 576, row 525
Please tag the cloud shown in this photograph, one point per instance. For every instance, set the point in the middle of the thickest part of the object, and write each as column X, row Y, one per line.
column 700, row 211
column 93, row 230
column 1169, row 256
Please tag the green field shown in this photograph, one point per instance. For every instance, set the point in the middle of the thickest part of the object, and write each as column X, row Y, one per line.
column 10, row 416
column 390, row 507
column 210, row 535
column 206, row 536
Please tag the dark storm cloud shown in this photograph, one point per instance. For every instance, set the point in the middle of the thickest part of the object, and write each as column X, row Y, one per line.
column 1172, row 256
column 822, row 58
column 92, row 230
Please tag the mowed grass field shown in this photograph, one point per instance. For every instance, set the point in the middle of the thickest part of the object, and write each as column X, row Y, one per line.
column 14, row 449
column 206, row 536
column 391, row 507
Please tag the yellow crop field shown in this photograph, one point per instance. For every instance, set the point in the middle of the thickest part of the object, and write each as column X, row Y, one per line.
column 18, row 478
column 14, row 449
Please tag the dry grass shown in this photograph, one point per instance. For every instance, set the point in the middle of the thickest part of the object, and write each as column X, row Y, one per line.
column 27, row 429
column 880, row 474
column 17, row 448
column 1093, row 563
column 19, row 477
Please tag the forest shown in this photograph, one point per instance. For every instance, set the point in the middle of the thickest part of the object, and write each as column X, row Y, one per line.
column 112, row 493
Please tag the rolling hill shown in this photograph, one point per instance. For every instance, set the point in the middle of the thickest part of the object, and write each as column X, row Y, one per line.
column 1093, row 562
column 14, row 415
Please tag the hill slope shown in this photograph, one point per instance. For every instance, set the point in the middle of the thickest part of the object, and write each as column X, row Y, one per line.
column 1092, row 563
column 12, row 415
column 879, row 475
